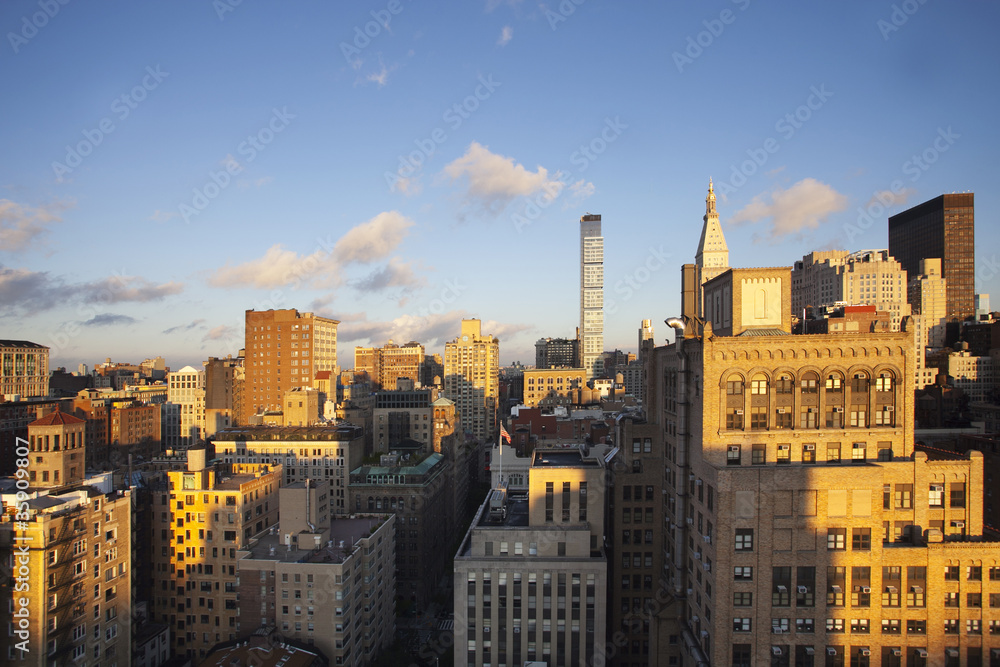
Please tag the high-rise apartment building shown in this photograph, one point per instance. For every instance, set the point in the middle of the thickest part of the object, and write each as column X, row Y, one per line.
column 837, row 277
column 556, row 352
column 531, row 574
column 203, row 516
column 943, row 227
column 285, row 349
column 928, row 295
column 472, row 378
column 804, row 526
column 712, row 257
column 224, row 381
column 305, row 452
column 325, row 582
column 184, row 412
column 24, row 369
column 70, row 600
column 645, row 333
column 591, row 296
column 390, row 362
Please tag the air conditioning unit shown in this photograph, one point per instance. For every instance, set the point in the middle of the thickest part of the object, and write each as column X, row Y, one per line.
column 866, row 652
column 866, row 589
column 776, row 629
column 739, row 412
column 781, row 411
column 891, row 589
column 897, row 652
column 697, row 482
column 707, row 566
column 486, row 628
column 831, row 651
column 810, row 410
column 694, row 619
column 704, row 634
column 517, row 629
column 809, row 447
column 803, row 589
column 697, row 555
column 918, row 589
column 838, row 409
column 707, row 538
column 937, row 487
column 889, row 408
column 690, row 591
column 690, row 521
column 734, row 448
column 776, row 650
column 691, row 477
column 782, row 589
column 922, row 652
column 836, row 589
column 958, row 524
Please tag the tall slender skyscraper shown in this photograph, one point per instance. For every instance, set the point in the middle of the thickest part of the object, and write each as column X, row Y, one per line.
column 591, row 295
column 472, row 378
column 941, row 227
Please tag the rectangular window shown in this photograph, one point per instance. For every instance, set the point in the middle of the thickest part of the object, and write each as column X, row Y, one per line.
column 807, row 418
column 935, row 497
column 733, row 455
column 758, row 418
column 744, row 539
column 859, row 452
column 783, row 418
column 904, row 496
column 734, row 419
column 957, row 494
column 743, row 573
column 784, row 456
column 742, row 599
column 833, row 452
column 861, row 539
column 759, row 455
column 836, row 539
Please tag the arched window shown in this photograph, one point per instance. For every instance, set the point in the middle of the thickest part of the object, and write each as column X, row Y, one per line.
column 809, row 383
column 371, row 503
column 859, row 383
column 784, row 383
column 758, row 385
column 734, row 385
column 884, row 381
column 835, row 382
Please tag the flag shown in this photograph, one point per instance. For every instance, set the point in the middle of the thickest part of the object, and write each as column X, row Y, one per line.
column 504, row 434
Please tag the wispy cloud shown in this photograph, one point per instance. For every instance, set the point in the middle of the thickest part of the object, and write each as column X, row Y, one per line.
column 222, row 332
column 506, row 35
column 380, row 77
column 196, row 324
column 494, row 180
column 433, row 330
column 21, row 225
column 888, row 198
column 803, row 206
column 108, row 320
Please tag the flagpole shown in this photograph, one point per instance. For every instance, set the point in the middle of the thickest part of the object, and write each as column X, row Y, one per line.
column 500, row 461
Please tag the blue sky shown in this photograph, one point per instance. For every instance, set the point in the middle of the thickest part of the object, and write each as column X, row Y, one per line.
column 401, row 165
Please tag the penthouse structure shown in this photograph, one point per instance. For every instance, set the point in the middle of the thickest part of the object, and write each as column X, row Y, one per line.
column 531, row 573
column 386, row 364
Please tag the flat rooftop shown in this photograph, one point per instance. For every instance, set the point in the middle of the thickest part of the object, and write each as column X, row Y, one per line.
column 344, row 535
column 341, row 432
column 517, row 514
column 566, row 458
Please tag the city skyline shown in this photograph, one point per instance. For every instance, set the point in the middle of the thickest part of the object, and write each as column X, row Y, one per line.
column 153, row 192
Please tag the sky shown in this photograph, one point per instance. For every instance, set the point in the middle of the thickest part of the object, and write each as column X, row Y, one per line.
column 400, row 165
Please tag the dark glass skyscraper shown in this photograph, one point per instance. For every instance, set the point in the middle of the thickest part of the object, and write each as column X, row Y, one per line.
column 942, row 227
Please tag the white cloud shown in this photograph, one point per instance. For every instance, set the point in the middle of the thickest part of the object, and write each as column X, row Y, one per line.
column 21, row 225
column 505, row 35
column 495, row 180
column 803, row 206
column 223, row 332
column 374, row 239
column 365, row 243
column 381, row 76
column 27, row 291
column 581, row 190
column 277, row 268
column 432, row 330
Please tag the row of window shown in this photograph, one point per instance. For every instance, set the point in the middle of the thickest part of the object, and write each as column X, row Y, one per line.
column 863, row 626
column 809, row 383
column 809, row 418
column 834, row 453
